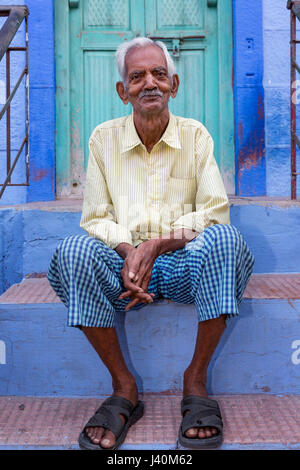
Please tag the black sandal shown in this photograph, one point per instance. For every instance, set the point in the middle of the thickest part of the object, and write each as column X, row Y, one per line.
column 203, row 412
column 108, row 416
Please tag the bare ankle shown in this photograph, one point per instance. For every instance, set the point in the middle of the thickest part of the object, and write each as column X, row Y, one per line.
column 126, row 387
column 194, row 382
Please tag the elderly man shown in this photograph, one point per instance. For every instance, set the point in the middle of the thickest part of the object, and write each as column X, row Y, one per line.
column 157, row 217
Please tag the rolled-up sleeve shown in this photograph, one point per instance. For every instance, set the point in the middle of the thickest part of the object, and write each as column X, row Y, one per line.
column 211, row 203
column 98, row 216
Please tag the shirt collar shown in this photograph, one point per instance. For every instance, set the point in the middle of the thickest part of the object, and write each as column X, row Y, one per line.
column 131, row 138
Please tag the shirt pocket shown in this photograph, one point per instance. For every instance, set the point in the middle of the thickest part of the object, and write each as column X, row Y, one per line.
column 179, row 196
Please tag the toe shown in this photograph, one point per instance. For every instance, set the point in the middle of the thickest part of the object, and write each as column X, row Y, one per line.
column 108, row 440
column 201, row 433
column 192, row 432
column 95, row 434
column 98, row 435
column 207, row 432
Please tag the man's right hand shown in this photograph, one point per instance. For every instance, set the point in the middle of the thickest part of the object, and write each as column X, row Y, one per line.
column 137, row 294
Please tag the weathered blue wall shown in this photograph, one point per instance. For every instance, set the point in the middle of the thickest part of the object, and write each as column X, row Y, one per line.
column 42, row 101
column 41, row 109
column 11, row 248
column 249, row 99
column 277, row 96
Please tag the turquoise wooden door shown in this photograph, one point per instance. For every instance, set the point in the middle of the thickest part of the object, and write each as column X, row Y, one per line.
column 195, row 35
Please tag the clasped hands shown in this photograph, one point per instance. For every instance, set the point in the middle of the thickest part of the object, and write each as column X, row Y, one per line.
column 137, row 271
column 138, row 263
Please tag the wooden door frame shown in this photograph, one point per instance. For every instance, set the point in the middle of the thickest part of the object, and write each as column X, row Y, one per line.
column 63, row 118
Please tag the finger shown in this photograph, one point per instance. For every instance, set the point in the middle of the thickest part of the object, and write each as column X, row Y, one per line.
column 142, row 296
column 132, row 274
column 131, row 287
column 131, row 293
column 131, row 304
column 126, row 294
column 145, row 284
column 134, row 268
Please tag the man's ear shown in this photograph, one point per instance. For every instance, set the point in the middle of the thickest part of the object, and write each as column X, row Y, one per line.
column 122, row 92
column 175, row 85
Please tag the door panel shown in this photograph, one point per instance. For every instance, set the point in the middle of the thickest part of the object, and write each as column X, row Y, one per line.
column 101, row 101
column 196, row 27
column 104, row 13
column 192, row 32
column 190, row 100
column 175, row 16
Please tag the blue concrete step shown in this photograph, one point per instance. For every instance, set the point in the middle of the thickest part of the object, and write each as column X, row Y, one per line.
column 259, row 352
column 29, row 234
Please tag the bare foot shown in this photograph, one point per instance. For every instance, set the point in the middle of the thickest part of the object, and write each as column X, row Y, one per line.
column 197, row 388
column 104, row 437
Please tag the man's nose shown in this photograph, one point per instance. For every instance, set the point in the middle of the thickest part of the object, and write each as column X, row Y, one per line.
column 150, row 81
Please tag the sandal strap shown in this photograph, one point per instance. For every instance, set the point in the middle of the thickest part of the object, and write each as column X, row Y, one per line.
column 203, row 412
column 108, row 415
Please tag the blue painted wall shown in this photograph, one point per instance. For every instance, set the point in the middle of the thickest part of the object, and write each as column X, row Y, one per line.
column 277, row 96
column 249, row 98
column 41, row 110
column 42, row 101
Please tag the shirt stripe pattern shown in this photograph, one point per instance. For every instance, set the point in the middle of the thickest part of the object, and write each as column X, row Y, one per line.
column 132, row 195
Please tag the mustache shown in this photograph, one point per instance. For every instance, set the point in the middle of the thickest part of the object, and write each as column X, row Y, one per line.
column 150, row 93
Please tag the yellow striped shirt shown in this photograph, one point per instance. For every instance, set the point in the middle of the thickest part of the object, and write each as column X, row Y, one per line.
column 131, row 195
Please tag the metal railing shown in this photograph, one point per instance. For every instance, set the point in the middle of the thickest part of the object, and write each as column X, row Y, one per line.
column 16, row 15
column 294, row 7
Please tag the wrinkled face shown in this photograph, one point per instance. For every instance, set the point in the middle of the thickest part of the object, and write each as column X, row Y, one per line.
column 148, row 86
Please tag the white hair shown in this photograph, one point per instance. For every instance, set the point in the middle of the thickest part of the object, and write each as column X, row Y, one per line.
column 125, row 47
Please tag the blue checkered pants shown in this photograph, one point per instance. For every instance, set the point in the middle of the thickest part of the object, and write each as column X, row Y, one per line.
column 211, row 272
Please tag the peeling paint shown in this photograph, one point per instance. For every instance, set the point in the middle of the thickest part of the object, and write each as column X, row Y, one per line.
column 39, row 174
column 249, row 100
column 251, row 151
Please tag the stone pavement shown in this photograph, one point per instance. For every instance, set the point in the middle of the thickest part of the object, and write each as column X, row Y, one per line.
column 250, row 422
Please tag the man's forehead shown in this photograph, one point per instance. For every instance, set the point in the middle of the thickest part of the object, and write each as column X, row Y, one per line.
column 140, row 57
